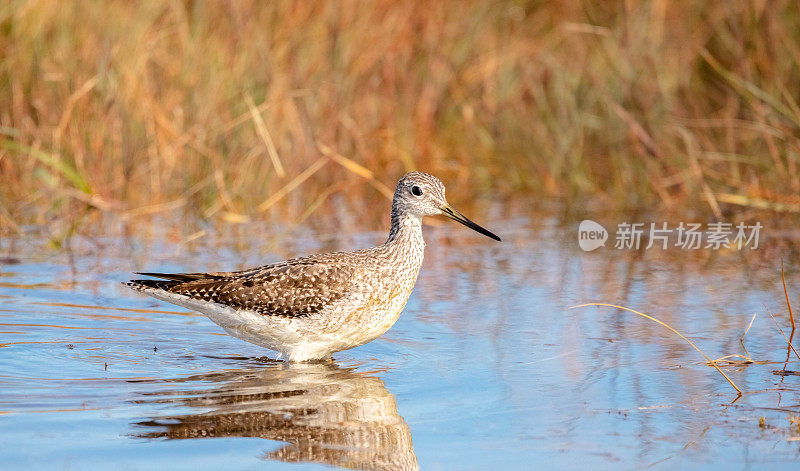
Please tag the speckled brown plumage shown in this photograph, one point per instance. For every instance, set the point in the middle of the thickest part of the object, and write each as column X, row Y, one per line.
column 307, row 308
column 293, row 288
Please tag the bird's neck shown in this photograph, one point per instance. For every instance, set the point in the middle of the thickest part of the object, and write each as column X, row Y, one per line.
column 406, row 230
column 405, row 247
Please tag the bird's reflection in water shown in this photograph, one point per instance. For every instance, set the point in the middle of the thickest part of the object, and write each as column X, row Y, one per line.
column 326, row 413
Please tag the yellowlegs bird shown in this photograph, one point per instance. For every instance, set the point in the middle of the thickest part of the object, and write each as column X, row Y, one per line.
column 307, row 308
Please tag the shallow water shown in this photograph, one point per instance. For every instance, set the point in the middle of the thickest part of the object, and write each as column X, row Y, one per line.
column 487, row 366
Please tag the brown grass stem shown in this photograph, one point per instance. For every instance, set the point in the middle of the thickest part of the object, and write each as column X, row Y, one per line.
column 786, row 293
column 263, row 132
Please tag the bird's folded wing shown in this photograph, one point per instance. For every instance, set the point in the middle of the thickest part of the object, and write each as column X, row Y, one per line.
column 295, row 288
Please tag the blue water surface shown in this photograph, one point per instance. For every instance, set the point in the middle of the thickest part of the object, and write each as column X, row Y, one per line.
column 487, row 368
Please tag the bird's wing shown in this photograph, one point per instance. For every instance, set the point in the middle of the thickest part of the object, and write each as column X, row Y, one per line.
column 294, row 288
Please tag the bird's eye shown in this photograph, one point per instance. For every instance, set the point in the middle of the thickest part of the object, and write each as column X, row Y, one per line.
column 416, row 191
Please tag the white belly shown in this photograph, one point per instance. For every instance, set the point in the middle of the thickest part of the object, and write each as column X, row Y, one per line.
column 339, row 327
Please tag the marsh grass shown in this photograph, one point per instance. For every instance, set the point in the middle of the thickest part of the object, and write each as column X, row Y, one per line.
column 228, row 107
column 676, row 332
column 733, row 359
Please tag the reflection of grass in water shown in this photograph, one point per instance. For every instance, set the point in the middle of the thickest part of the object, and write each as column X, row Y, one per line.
column 746, row 358
column 792, row 429
column 214, row 105
column 708, row 359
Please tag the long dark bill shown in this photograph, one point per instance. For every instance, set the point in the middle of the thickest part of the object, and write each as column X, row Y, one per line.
column 456, row 216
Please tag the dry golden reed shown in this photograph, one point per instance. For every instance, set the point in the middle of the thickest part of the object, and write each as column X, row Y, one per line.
column 221, row 106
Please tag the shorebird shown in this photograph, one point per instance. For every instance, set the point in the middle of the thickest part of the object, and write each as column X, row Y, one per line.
column 308, row 308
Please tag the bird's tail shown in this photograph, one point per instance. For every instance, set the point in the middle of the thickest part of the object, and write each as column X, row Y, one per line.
column 149, row 285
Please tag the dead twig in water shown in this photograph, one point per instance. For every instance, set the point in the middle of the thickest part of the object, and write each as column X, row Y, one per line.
column 784, row 335
column 786, row 293
column 791, row 318
column 710, row 361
